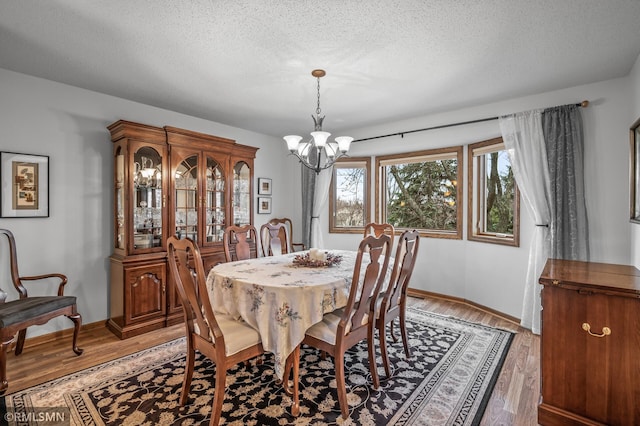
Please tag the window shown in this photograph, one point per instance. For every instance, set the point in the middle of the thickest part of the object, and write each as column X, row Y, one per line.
column 349, row 204
column 421, row 190
column 494, row 199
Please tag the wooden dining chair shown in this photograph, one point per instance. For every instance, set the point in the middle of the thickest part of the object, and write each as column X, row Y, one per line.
column 378, row 229
column 221, row 338
column 275, row 239
column 240, row 242
column 392, row 302
column 293, row 246
column 344, row 328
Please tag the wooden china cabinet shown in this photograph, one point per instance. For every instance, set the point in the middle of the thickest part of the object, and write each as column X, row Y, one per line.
column 212, row 188
column 208, row 186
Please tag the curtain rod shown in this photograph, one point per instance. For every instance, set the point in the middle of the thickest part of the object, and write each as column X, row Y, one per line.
column 582, row 104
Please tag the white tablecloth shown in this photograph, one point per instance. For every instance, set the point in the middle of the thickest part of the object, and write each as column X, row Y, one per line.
column 279, row 299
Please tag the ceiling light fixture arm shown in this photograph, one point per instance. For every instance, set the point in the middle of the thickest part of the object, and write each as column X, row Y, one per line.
column 318, row 167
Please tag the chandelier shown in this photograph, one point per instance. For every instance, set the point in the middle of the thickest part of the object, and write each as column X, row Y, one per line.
column 326, row 153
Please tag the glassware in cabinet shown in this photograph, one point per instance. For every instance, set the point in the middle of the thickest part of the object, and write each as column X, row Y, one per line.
column 147, row 198
column 241, row 194
column 186, row 198
column 215, row 201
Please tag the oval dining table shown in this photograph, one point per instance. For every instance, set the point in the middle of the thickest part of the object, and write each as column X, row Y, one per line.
column 281, row 300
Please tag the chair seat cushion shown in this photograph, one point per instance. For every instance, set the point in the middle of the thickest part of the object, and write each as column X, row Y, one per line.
column 327, row 329
column 238, row 335
column 17, row 311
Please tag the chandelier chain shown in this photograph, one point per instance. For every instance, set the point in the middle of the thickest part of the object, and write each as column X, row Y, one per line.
column 318, row 111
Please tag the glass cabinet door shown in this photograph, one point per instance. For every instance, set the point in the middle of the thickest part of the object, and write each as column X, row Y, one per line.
column 147, row 199
column 119, row 240
column 186, row 199
column 241, row 194
column 215, row 196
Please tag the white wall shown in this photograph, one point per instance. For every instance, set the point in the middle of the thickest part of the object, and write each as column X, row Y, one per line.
column 493, row 275
column 69, row 125
column 634, row 84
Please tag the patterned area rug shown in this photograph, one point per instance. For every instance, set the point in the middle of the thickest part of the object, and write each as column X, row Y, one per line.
column 448, row 381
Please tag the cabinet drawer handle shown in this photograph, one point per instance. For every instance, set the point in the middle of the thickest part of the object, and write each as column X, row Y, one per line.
column 605, row 330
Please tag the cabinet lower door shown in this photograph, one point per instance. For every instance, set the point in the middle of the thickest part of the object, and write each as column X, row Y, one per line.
column 138, row 298
column 589, row 358
column 146, row 292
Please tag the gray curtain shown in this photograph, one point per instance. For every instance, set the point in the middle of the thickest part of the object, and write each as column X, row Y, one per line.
column 308, row 179
column 546, row 152
column 563, row 135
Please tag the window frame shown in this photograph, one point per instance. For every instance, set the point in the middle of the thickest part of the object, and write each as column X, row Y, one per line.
column 475, row 200
column 365, row 163
column 438, row 153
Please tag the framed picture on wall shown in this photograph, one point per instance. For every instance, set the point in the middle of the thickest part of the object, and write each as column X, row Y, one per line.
column 24, row 185
column 264, row 205
column 264, row 186
column 634, row 170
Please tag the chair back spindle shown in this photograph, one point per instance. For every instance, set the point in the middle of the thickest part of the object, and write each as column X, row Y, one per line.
column 364, row 292
column 275, row 239
column 185, row 263
column 292, row 246
column 405, row 260
column 240, row 242
column 377, row 229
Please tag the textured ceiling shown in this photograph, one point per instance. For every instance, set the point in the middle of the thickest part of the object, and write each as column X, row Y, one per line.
column 248, row 63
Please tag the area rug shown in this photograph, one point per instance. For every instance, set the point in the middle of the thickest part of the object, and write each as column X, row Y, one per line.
column 447, row 381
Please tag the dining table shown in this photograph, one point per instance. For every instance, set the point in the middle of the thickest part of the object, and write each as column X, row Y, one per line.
column 281, row 300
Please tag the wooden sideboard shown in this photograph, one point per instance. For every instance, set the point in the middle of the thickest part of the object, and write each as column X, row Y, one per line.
column 590, row 344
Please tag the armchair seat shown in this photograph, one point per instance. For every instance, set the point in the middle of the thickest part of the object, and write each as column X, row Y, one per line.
column 22, row 310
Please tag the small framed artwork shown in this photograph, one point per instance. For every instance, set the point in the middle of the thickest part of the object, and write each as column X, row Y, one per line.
column 264, row 205
column 264, row 186
column 24, row 185
column 634, row 171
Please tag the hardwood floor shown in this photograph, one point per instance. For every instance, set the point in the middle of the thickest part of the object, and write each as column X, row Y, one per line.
column 513, row 402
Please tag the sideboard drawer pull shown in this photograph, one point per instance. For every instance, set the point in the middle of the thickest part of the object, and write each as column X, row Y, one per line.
column 605, row 330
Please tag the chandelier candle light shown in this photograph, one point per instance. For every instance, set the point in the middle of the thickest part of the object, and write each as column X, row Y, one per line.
column 332, row 150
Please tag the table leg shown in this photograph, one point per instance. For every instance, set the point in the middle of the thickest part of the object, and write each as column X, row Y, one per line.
column 293, row 364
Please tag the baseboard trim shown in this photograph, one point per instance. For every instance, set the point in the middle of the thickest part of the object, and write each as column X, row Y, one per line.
column 56, row 335
column 423, row 294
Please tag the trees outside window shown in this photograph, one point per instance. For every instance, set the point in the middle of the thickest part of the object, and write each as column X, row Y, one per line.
column 349, row 196
column 421, row 190
column 494, row 199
